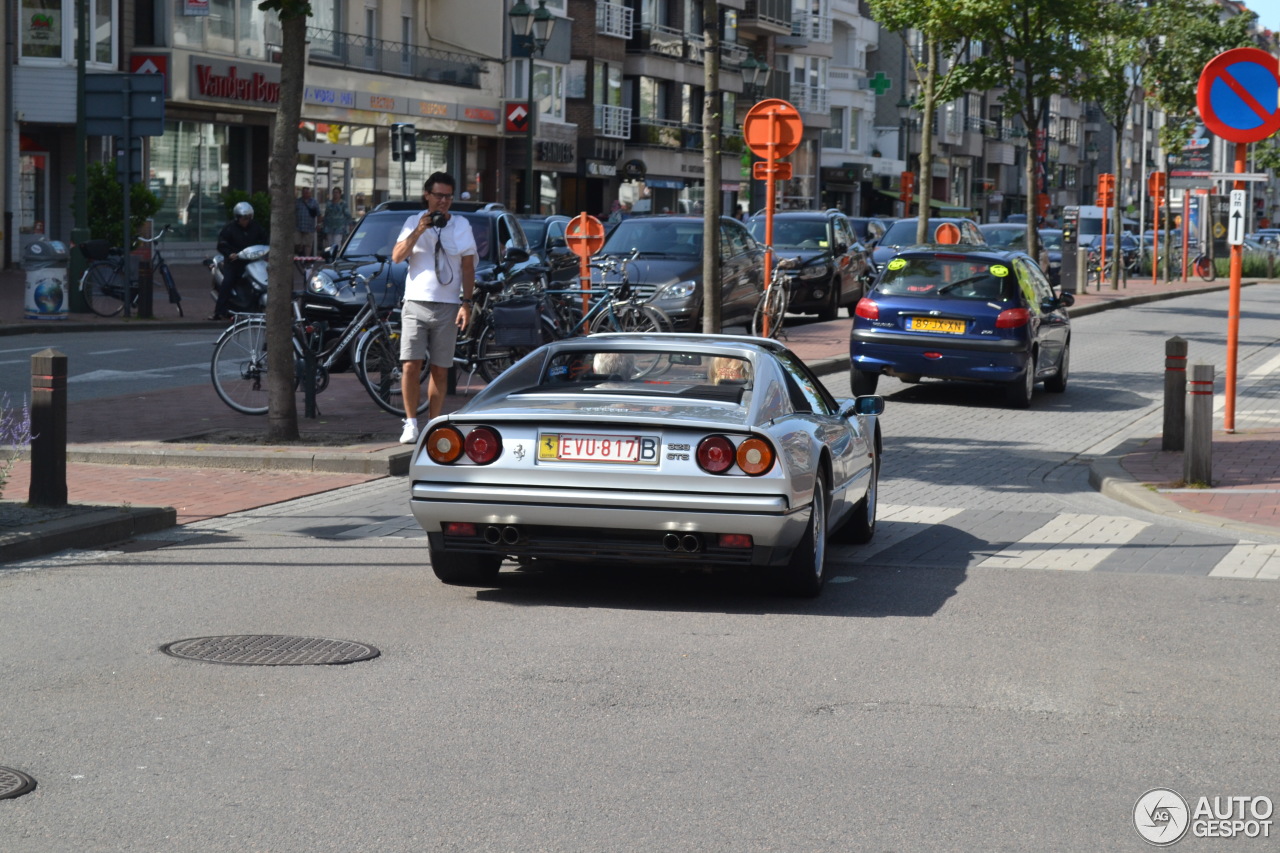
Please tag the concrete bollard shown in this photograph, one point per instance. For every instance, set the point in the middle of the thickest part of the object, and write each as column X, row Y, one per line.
column 48, row 429
column 1082, row 270
column 1271, row 264
column 1175, row 394
column 1197, row 462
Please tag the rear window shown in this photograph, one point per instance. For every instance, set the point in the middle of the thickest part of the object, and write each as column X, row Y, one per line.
column 793, row 233
column 954, row 275
column 650, row 374
column 656, row 236
column 376, row 234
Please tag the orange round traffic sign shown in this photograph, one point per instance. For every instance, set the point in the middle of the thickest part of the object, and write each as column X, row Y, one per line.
column 772, row 128
column 585, row 235
column 947, row 234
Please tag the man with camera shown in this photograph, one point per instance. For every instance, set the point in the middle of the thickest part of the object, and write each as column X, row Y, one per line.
column 441, row 251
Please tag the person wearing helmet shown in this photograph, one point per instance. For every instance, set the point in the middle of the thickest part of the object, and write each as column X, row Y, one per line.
column 238, row 234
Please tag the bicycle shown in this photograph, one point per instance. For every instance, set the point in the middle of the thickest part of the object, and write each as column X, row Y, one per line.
column 104, row 281
column 766, row 322
column 238, row 368
column 1204, row 267
column 615, row 306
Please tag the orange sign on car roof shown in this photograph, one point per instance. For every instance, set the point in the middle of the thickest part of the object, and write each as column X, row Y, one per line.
column 947, row 233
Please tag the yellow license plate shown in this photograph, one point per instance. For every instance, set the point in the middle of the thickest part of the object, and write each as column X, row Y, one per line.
column 933, row 324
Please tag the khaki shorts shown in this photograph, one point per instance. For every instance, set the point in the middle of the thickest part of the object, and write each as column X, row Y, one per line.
column 429, row 330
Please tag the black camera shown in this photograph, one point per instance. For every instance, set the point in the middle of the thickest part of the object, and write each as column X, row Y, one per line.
column 438, row 219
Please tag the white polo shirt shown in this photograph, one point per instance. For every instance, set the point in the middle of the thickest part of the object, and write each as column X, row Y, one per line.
column 437, row 276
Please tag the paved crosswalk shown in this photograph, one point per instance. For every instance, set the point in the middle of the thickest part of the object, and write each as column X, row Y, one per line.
column 959, row 538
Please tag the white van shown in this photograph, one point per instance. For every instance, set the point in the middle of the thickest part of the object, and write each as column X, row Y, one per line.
column 1090, row 228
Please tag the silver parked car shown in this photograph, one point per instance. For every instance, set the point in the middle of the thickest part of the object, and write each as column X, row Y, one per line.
column 707, row 451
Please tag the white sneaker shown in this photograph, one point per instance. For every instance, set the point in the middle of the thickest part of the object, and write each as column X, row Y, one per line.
column 410, row 433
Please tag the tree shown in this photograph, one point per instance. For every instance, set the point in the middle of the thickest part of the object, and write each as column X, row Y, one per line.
column 1035, row 50
column 936, row 60
column 712, row 109
column 282, row 404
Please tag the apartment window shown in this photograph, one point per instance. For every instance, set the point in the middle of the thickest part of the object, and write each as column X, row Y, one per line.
column 606, row 85
column 833, row 137
column 48, row 30
column 548, row 90
column 855, row 130
column 370, row 33
column 234, row 27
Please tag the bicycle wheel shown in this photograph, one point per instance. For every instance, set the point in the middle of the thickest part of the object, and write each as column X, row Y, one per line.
column 239, row 366
column 628, row 317
column 492, row 359
column 1204, row 268
column 175, row 298
column 102, row 287
column 770, row 310
column 377, row 363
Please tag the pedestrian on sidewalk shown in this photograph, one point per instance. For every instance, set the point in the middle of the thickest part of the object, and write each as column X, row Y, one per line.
column 309, row 219
column 441, row 250
column 337, row 219
column 237, row 235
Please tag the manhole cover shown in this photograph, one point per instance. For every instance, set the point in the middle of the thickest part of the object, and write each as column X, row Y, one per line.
column 270, row 650
column 14, row 783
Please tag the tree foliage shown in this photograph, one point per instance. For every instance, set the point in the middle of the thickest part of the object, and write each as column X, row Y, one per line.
column 106, row 204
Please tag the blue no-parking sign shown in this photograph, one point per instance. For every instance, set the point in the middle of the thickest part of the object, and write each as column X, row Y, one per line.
column 1238, row 94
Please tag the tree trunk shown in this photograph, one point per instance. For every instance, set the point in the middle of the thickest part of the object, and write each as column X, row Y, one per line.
column 1116, row 165
column 926, row 142
column 282, row 403
column 712, row 105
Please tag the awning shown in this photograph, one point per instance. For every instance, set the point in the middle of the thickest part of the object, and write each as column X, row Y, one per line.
column 936, row 204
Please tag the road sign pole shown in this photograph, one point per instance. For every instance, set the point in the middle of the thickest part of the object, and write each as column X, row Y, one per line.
column 1233, row 311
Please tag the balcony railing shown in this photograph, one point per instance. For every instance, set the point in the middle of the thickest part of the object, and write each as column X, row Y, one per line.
column 348, row 50
column 775, row 13
column 815, row 28
column 613, row 122
column 666, row 133
column 614, row 19
column 810, row 99
column 657, row 39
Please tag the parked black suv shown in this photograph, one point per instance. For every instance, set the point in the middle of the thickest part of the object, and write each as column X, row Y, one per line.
column 834, row 263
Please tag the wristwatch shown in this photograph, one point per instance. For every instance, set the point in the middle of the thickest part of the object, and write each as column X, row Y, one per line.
column 466, row 301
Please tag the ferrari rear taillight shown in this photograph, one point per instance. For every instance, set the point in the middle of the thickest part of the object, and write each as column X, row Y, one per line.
column 444, row 444
column 867, row 310
column 483, row 445
column 717, row 455
column 1013, row 318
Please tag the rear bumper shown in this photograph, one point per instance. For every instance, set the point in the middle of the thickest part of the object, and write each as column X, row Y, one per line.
column 585, row 524
column 895, row 352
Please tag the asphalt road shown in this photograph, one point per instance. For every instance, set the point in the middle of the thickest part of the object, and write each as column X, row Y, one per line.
column 965, row 683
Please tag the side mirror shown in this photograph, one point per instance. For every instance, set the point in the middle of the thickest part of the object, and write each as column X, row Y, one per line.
column 872, row 404
column 1066, row 300
column 515, row 255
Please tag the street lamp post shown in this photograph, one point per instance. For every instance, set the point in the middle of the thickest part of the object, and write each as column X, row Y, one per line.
column 904, row 116
column 755, row 76
column 534, row 30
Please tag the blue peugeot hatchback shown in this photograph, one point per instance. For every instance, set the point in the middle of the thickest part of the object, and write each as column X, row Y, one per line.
column 963, row 312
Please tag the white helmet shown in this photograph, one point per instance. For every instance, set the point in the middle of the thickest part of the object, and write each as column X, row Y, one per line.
column 243, row 208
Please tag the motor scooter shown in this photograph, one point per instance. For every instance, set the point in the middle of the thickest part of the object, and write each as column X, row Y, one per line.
column 250, row 293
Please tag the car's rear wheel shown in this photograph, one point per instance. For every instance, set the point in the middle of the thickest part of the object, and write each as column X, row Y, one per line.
column 1018, row 392
column 1057, row 383
column 862, row 383
column 465, row 569
column 806, row 572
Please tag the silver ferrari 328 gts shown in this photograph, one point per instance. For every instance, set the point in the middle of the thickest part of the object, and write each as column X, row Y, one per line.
column 707, row 451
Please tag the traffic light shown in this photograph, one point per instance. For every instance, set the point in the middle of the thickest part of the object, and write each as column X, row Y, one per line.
column 404, row 142
column 1106, row 190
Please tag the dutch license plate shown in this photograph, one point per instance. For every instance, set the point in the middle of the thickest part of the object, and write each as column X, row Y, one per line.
column 582, row 447
column 934, row 324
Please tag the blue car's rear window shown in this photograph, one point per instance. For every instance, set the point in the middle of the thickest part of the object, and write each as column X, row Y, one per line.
column 955, row 276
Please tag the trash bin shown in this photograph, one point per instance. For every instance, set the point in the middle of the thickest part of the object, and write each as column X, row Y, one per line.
column 45, row 262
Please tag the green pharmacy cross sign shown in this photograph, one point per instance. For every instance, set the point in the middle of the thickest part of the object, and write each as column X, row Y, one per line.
column 880, row 83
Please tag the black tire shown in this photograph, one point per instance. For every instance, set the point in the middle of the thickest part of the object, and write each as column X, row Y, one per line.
column 171, row 289
column 1018, row 392
column 862, row 383
column 465, row 569
column 631, row 318
column 102, row 287
column 861, row 525
column 806, row 571
column 771, row 307
column 831, row 310
column 239, row 367
column 1057, row 383
column 377, row 363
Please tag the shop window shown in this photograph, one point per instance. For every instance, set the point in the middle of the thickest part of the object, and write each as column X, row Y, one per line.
column 189, row 171
column 237, row 27
column 47, row 32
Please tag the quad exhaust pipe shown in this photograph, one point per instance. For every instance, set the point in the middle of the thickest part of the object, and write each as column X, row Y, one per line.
column 508, row 535
column 687, row 544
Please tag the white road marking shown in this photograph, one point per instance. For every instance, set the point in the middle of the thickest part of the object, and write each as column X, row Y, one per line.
column 1249, row 560
column 111, row 351
column 123, row 375
column 1069, row 542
